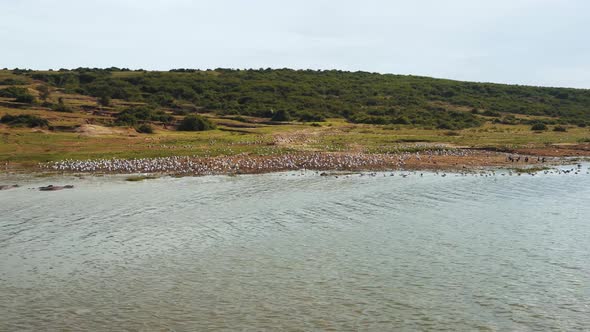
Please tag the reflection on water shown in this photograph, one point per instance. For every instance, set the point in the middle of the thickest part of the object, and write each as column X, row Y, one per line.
column 298, row 253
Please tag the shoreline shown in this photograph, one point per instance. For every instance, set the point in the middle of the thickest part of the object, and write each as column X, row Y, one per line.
column 451, row 160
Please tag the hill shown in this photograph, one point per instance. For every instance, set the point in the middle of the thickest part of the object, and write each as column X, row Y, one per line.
column 308, row 95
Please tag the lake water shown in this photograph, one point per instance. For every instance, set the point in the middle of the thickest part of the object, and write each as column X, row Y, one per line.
column 297, row 252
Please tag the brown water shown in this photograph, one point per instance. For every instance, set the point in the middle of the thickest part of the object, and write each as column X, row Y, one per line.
column 291, row 252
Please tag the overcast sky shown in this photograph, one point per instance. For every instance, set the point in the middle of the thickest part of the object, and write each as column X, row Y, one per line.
column 536, row 42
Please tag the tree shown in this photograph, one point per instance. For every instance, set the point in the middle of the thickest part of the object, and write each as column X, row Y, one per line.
column 195, row 123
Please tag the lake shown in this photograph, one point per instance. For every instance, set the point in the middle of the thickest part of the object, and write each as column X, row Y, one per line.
column 297, row 251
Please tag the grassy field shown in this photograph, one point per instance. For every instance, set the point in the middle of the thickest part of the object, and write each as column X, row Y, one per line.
column 29, row 146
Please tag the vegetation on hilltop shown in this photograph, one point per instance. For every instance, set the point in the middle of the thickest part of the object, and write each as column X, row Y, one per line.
column 308, row 95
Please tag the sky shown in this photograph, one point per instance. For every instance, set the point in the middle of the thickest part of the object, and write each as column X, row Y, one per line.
column 532, row 42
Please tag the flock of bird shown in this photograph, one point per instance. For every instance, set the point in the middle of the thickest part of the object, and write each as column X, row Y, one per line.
column 249, row 164
column 303, row 163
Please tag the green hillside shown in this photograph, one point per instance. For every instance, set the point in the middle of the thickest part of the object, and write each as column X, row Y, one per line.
column 308, row 95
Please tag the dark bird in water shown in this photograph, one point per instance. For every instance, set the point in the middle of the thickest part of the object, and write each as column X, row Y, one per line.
column 54, row 188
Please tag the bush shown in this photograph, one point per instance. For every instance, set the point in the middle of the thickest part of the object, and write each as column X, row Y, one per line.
column 104, row 100
column 25, row 98
column 21, row 95
column 281, row 115
column 145, row 129
column 61, row 106
column 539, row 127
column 24, row 120
column 12, row 92
column 125, row 119
column 560, row 128
column 12, row 81
column 43, row 91
column 310, row 117
column 445, row 125
column 195, row 123
column 509, row 120
column 491, row 113
column 401, row 120
column 134, row 115
column 180, row 112
column 162, row 99
column 240, row 119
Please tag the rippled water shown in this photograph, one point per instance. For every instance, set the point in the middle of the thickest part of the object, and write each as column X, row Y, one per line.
column 292, row 252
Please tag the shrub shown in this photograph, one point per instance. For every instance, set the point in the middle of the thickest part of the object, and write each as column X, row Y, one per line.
column 560, row 128
column 508, row 119
column 445, row 125
column 61, row 106
column 21, row 95
column 11, row 92
column 195, row 123
column 145, row 129
column 180, row 111
column 162, row 99
column 281, row 115
column 43, row 91
column 126, row 119
column 25, row 98
column 24, row 120
column 491, row 113
column 539, row 127
column 240, row 119
column 311, row 117
column 401, row 120
column 104, row 100
column 134, row 115
column 12, row 81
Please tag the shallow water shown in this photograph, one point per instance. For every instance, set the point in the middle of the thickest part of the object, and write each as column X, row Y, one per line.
column 292, row 252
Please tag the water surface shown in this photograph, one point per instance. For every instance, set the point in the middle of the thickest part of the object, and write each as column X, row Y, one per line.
column 298, row 252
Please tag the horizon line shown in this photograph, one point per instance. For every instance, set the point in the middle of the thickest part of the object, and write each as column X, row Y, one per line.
column 178, row 69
